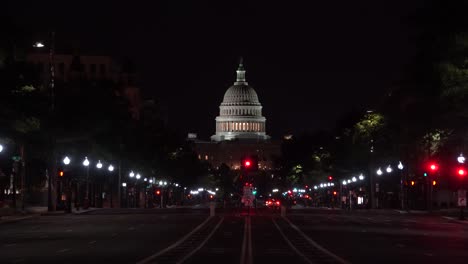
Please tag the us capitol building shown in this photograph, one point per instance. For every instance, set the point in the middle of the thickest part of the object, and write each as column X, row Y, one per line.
column 240, row 129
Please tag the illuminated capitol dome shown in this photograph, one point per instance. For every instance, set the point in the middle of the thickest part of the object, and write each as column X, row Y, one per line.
column 240, row 113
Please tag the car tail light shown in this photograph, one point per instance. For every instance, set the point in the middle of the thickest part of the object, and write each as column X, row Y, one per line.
column 277, row 203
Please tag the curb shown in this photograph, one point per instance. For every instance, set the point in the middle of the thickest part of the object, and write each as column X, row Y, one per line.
column 456, row 220
column 14, row 220
column 85, row 211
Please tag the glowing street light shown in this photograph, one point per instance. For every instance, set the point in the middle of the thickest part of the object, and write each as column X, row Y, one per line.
column 138, row 176
column 99, row 164
column 165, row 183
column 38, row 45
column 132, row 174
column 400, row 166
column 354, row 179
column 66, row 160
column 111, row 168
column 86, row 162
column 379, row 172
column 124, row 184
column 344, row 182
column 461, row 159
column 389, row 169
column 1, row 148
column 151, row 181
column 145, row 179
column 361, row 177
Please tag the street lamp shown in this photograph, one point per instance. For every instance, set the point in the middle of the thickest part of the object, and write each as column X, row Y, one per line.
column 124, row 184
column 389, row 169
column 99, row 164
column 138, row 176
column 344, row 182
column 66, row 160
column 145, row 179
column 361, row 177
column 354, row 179
column 1, row 148
column 132, row 174
column 86, row 162
column 151, row 181
column 400, row 166
column 460, row 158
column 379, row 172
column 38, row 45
column 111, row 169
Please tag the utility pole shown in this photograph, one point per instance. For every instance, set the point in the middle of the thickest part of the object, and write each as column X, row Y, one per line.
column 52, row 195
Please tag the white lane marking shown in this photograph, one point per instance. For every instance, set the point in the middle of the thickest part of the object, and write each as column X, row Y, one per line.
column 246, row 252
column 180, row 241
column 92, row 242
column 315, row 244
column 298, row 252
column 9, row 245
column 249, row 245
column 63, row 250
column 202, row 243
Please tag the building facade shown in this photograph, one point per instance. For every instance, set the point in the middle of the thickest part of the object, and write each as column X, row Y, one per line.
column 240, row 113
column 240, row 130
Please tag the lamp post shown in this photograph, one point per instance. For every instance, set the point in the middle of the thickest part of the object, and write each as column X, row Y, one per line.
column 402, row 186
column 461, row 192
column 51, row 174
column 111, row 169
column 86, row 200
column 137, row 191
column 66, row 161
column 124, row 186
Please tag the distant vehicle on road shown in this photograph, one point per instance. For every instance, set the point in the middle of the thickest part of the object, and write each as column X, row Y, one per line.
column 272, row 203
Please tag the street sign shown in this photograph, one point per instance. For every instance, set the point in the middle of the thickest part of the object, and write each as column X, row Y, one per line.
column 461, row 197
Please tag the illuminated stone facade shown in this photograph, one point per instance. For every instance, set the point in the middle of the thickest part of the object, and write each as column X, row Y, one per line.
column 240, row 130
column 240, row 113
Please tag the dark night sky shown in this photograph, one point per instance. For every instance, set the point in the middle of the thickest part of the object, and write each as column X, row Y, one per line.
column 309, row 64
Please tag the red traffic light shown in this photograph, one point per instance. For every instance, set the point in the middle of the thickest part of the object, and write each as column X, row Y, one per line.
column 334, row 193
column 433, row 166
column 247, row 163
column 330, row 178
column 158, row 192
column 461, row 172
